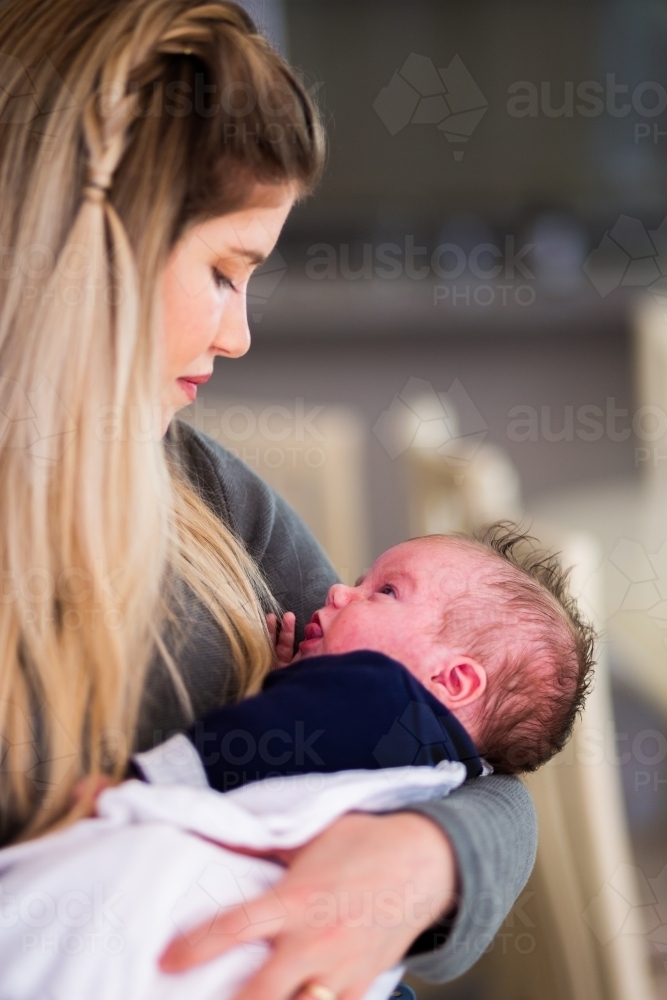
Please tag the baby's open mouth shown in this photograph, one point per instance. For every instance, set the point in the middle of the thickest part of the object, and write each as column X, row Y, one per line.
column 313, row 631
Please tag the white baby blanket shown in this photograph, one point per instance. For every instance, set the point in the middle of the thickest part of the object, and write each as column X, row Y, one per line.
column 87, row 911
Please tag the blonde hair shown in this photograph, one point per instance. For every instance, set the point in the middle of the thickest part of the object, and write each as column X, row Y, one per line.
column 99, row 178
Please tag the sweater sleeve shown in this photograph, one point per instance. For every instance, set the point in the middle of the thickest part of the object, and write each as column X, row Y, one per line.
column 492, row 827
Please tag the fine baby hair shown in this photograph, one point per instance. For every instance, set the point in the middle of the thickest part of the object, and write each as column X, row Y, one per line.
column 526, row 627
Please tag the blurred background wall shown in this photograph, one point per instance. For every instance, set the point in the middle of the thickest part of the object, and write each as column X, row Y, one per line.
column 479, row 260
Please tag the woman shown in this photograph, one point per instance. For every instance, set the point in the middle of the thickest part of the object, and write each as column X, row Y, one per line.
column 151, row 151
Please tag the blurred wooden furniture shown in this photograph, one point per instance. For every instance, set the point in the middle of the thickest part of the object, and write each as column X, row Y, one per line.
column 636, row 567
column 314, row 458
column 445, row 495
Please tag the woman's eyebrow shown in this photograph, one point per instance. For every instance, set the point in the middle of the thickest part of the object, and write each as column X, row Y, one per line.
column 254, row 256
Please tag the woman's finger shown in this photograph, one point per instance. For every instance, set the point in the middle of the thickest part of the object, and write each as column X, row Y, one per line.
column 282, row 975
column 299, row 960
column 262, row 919
column 356, row 992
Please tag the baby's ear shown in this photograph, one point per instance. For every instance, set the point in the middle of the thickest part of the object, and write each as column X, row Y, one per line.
column 460, row 679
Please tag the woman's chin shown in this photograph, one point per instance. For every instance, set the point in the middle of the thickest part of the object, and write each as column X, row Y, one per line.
column 168, row 412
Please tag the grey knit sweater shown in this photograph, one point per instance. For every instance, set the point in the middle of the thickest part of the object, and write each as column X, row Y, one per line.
column 489, row 821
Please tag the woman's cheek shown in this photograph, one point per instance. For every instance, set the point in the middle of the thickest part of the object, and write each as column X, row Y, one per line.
column 203, row 322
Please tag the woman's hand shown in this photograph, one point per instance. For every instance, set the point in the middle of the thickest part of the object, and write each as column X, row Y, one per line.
column 283, row 643
column 349, row 906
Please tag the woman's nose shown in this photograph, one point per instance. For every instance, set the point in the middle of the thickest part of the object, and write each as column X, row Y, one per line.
column 340, row 594
column 233, row 338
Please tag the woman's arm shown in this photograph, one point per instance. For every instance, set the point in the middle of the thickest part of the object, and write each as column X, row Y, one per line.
column 371, row 889
column 492, row 828
column 347, row 909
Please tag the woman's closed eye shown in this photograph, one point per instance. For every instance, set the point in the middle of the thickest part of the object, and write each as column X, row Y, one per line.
column 221, row 280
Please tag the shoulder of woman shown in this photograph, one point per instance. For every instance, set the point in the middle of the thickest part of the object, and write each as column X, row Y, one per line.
column 237, row 494
column 273, row 532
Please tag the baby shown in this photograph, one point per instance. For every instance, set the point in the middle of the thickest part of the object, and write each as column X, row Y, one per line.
column 448, row 648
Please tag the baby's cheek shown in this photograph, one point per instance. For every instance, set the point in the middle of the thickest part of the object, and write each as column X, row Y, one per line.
column 343, row 637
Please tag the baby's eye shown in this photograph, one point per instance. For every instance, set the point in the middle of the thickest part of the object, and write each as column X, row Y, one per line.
column 221, row 280
column 388, row 589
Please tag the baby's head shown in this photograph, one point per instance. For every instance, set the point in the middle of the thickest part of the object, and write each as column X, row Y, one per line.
column 488, row 627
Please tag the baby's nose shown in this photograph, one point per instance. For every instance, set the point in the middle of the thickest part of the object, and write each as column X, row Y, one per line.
column 340, row 594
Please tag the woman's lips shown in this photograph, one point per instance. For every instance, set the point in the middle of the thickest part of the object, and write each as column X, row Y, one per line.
column 189, row 384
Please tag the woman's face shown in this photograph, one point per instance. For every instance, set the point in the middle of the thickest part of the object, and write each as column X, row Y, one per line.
column 204, row 291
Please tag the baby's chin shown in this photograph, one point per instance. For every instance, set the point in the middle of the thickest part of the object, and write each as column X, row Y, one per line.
column 321, row 647
column 311, row 647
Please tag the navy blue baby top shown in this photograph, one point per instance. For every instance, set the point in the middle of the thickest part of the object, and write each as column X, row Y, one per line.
column 359, row 710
